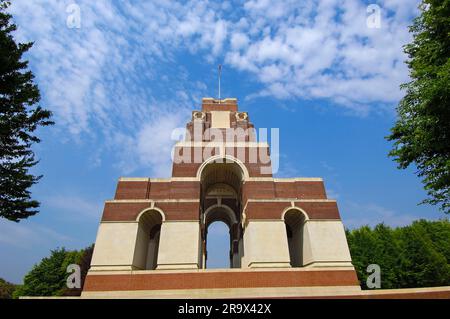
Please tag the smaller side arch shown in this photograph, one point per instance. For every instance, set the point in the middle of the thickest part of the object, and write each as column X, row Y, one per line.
column 149, row 209
column 295, row 219
column 294, row 208
column 149, row 223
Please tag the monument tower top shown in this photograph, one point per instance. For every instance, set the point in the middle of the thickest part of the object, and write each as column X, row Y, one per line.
column 212, row 104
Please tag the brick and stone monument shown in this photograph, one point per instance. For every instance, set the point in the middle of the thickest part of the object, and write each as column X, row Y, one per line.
column 286, row 235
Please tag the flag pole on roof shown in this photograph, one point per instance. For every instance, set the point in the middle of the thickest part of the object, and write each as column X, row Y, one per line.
column 220, row 74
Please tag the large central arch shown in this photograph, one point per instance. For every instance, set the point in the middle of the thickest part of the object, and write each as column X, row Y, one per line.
column 225, row 159
column 221, row 180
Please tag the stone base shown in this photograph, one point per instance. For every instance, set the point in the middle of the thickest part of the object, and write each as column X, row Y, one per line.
column 223, row 283
column 317, row 283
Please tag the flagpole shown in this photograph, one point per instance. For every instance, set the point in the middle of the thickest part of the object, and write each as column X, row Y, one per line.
column 220, row 73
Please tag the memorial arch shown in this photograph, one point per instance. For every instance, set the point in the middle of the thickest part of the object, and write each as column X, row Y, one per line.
column 221, row 190
column 286, row 238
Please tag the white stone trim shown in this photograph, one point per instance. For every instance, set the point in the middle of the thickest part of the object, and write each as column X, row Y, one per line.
column 93, row 272
column 278, row 179
column 134, row 179
column 181, row 221
column 152, row 207
column 135, row 201
column 262, row 292
column 299, row 179
column 222, row 156
column 195, row 179
column 221, row 144
column 305, row 215
column 289, row 200
column 229, row 211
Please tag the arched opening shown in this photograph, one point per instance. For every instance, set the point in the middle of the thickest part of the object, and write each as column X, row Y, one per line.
column 294, row 220
column 147, row 241
column 221, row 184
column 218, row 245
column 153, row 247
column 224, row 215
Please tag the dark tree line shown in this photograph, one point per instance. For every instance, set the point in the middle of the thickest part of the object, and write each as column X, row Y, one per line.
column 20, row 117
column 48, row 278
column 417, row 255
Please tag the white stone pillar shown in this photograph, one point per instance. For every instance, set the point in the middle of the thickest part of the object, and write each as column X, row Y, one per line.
column 115, row 246
column 179, row 245
column 325, row 244
column 265, row 244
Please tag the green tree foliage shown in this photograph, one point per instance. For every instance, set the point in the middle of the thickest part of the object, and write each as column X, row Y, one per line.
column 6, row 289
column 84, row 262
column 20, row 116
column 48, row 278
column 412, row 256
column 422, row 131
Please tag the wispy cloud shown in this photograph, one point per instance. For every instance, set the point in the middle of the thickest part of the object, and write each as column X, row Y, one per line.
column 74, row 207
column 324, row 50
column 29, row 234
column 102, row 80
column 359, row 214
column 119, row 76
column 288, row 168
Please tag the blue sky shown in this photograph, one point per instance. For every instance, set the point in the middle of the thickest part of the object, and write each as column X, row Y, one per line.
column 132, row 72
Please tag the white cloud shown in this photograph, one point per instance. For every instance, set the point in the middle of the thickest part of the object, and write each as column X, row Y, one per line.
column 323, row 49
column 239, row 41
column 154, row 143
column 96, row 79
column 115, row 79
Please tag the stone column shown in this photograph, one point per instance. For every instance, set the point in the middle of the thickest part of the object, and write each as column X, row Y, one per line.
column 266, row 244
column 179, row 245
column 325, row 244
column 115, row 246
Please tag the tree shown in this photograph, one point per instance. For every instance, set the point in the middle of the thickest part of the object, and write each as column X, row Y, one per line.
column 84, row 262
column 49, row 277
column 362, row 244
column 20, row 116
column 422, row 265
column 416, row 255
column 422, row 131
column 389, row 259
column 6, row 289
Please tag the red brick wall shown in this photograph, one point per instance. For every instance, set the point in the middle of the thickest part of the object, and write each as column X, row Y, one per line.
column 274, row 210
column 190, row 169
column 297, row 190
column 157, row 190
column 132, row 190
column 208, row 280
column 130, row 211
column 208, row 107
